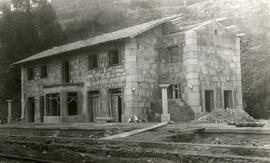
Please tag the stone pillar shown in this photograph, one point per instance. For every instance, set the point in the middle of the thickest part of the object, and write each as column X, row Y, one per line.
column 84, row 101
column 63, row 105
column 191, row 67
column 237, row 60
column 9, row 111
column 165, row 116
column 23, row 103
column 130, row 96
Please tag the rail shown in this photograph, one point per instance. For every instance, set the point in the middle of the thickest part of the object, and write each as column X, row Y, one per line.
column 21, row 158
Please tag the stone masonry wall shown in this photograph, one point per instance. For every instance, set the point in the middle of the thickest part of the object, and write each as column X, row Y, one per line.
column 191, row 68
column 172, row 73
column 142, row 73
column 153, row 69
column 220, row 62
column 101, row 79
column 212, row 63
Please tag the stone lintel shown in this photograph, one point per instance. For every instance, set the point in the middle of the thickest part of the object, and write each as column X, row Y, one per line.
column 9, row 101
column 164, row 85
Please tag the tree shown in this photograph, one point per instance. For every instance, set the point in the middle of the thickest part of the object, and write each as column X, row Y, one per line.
column 255, row 66
column 24, row 32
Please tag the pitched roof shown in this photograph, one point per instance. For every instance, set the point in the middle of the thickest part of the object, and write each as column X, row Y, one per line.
column 120, row 34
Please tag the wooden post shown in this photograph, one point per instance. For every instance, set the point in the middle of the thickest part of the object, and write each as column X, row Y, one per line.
column 185, row 3
column 9, row 120
column 165, row 116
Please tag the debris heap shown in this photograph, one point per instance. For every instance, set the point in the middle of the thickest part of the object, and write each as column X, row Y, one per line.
column 225, row 116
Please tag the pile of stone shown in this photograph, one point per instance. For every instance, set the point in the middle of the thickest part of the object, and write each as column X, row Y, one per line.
column 226, row 116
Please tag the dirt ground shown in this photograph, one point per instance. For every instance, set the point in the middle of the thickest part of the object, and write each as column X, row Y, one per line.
column 170, row 134
column 157, row 135
column 223, row 138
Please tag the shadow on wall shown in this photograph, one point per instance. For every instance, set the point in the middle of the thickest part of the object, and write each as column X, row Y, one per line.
column 179, row 110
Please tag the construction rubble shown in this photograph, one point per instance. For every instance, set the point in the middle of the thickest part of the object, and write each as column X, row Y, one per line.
column 225, row 116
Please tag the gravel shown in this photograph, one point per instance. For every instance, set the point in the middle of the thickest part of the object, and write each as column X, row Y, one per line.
column 225, row 116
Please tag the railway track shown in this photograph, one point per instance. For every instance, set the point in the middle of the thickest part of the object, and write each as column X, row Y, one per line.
column 80, row 150
column 24, row 159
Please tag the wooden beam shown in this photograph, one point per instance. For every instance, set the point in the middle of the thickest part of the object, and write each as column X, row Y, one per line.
column 230, row 27
column 241, row 34
column 221, row 19
column 125, row 134
column 178, row 18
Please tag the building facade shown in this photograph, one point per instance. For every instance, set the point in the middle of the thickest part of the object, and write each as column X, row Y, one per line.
column 114, row 76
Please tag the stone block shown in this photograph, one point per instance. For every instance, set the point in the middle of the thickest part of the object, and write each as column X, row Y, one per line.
column 192, row 75
column 238, row 65
column 193, row 101
column 192, row 68
column 191, row 54
column 197, row 109
column 141, row 104
column 237, row 43
column 165, row 117
column 238, row 78
column 191, row 34
column 191, row 42
column 195, row 88
column 130, row 105
column 131, row 78
column 192, row 61
column 190, row 48
column 193, row 82
column 238, row 71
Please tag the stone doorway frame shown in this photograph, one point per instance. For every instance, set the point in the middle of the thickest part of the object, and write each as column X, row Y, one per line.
column 203, row 97
column 233, row 96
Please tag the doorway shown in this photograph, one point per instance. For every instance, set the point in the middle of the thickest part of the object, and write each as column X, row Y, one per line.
column 41, row 105
column 72, row 103
column 116, row 104
column 209, row 100
column 228, row 100
column 93, row 105
column 31, row 109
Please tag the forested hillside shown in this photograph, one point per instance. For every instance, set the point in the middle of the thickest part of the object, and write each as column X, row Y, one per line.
column 23, row 32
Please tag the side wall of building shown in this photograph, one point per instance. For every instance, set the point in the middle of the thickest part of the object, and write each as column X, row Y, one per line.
column 213, row 64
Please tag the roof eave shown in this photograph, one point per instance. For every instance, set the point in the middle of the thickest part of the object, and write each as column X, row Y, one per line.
column 32, row 60
column 131, row 36
column 153, row 26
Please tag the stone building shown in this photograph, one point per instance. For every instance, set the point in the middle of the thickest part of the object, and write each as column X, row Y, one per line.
column 114, row 76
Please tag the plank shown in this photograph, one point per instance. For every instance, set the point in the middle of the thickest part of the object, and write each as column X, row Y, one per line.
column 133, row 132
